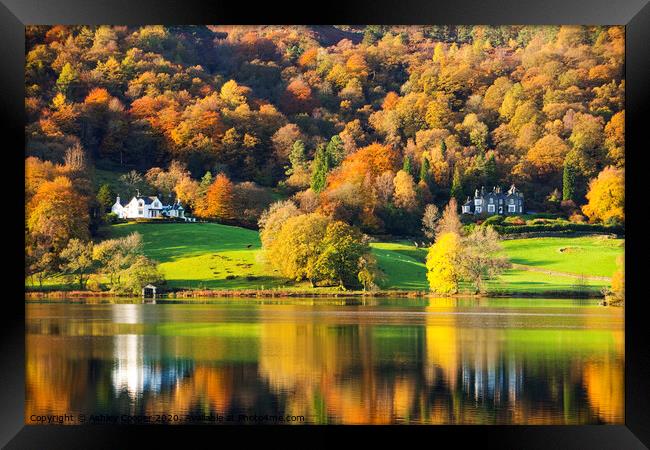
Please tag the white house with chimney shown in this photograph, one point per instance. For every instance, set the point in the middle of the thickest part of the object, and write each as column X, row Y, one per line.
column 147, row 207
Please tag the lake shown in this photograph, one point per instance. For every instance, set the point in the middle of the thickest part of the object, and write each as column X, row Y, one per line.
column 387, row 361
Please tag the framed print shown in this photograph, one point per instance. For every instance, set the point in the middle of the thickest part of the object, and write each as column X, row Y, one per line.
column 404, row 219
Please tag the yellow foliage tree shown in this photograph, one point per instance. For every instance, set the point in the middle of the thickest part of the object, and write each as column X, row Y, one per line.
column 618, row 280
column 443, row 271
column 606, row 196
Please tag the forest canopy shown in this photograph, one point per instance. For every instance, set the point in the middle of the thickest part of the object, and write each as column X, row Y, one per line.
column 368, row 125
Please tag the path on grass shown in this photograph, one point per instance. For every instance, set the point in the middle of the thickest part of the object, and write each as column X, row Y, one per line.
column 556, row 273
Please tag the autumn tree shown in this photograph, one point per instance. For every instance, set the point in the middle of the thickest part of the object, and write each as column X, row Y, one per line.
column 430, row 221
column 481, row 257
column 615, row 139
column 618, row 280
column 405, row 195
column 272, row 219
column 297, row 247
column 449, row 221
column 443, row 271
column 606, row 197
column 547, row 155
column 219, row 201
column 57, row 214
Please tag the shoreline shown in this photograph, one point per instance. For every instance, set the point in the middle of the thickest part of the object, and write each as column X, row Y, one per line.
column 209, row 293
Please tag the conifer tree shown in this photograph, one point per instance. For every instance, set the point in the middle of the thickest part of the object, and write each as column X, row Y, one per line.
column 321, row 166
column 408, row 165
column 457, row 186
column 568, row 182
column 424, row 170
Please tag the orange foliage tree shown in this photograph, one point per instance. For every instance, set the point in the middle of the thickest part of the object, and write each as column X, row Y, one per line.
column 57, row 213
column 219, row 200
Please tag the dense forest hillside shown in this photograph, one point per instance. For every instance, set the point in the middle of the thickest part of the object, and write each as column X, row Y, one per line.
column 368, row 125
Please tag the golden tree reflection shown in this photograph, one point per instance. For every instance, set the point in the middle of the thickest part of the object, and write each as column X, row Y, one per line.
column 437, row 364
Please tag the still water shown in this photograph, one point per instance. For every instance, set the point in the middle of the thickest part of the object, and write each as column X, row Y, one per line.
column 425, row 361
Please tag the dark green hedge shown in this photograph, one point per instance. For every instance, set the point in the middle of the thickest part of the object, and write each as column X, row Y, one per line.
column 588, row 227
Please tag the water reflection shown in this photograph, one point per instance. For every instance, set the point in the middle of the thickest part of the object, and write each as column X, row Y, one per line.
column 436, row 363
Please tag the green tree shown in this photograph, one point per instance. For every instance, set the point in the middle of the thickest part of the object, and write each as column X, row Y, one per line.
column 297, row 157
column 457, row 186
column 480, row 257
column 569, row 182
column 105, row 197
column 204, row 185
column 141, row 272
column 425, row 170
column 115, row 256
column 342, row 248
column 335, row 150
column 407, row 165
column 320, row 167
column 77, row 259
column 490, row 171
column 67, row 77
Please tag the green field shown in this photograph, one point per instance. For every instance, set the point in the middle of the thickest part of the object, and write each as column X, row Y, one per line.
column 213, row 256
column 594, row 255
column 205, row 255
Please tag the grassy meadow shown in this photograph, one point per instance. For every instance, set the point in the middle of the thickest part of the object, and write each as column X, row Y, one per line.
column 214, row 256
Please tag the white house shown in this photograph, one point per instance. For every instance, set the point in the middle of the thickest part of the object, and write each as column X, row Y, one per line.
column 146, row 207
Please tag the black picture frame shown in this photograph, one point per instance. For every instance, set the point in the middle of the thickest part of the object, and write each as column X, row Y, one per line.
column 634, row 14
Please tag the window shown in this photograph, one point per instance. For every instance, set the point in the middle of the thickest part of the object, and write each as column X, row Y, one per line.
column 491, row 201
column 511, row 208
column 491, row 208
column 466, row 209
column 511, row 201
column 478, row 210
column 478, row 201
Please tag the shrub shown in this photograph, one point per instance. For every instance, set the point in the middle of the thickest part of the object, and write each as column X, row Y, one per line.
column 577, row 218
column 94, row 283
column 559, row 227
column 514, row 220
column 111, row 218
column 493, row 220
column 539, row 221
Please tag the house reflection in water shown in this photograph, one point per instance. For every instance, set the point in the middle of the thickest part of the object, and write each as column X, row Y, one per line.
column 385, row 366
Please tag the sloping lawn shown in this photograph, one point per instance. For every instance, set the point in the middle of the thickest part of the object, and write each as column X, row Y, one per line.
column 204, row 255
column 593, row 255
column 402, row 265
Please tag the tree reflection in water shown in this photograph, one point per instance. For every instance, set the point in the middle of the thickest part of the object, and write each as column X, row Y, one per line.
column 436, row 363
